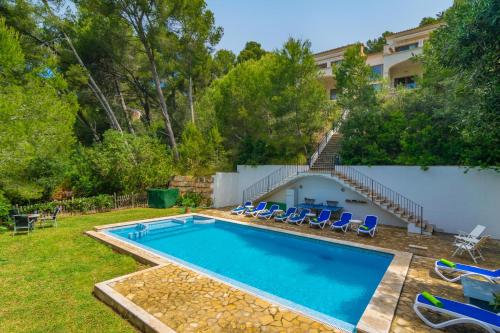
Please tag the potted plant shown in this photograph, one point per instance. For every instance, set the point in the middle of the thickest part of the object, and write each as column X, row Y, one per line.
column 187, row 203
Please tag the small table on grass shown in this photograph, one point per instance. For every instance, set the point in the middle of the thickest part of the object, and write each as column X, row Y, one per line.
column 354, row 224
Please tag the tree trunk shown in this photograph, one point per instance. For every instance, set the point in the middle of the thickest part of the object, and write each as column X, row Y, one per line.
column 93, row 85
column 161, row 97
column 190, row 95
column 100, row 96
column 93, row 130
column 124, row 107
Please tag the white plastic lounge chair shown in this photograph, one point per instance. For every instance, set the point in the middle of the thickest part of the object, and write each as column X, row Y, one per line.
column 462, row 313
column 260, row 207
column 268, row 213
column 465, row 270
column 369, row 226
column 322, row 220
column 241, row 209
column 343, row 223
column 289, row 212
column 298, row 219
column 473, row 248
column 472, row 236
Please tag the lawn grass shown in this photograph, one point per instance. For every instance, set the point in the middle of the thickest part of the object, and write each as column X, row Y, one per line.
column 47, row 278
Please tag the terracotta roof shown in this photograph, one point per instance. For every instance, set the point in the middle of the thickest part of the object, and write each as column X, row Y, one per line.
column 393, row 35
column 335, row 49
column 416, row 29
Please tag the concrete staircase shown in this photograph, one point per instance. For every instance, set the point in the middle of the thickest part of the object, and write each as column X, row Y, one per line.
column 327, row 155
column 325, row 162
column 385, row 198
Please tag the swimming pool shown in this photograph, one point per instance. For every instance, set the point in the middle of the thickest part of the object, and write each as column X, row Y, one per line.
column 331, row 282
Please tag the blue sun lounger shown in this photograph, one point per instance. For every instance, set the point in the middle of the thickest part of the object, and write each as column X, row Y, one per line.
column 289, row 212
column 240, row 209
column 260, row 207
column 322, row 220
column 465, row 270
column 268, row 213
column 462, row 314
column 369, row 226
column 298, row 219
column 343, row 223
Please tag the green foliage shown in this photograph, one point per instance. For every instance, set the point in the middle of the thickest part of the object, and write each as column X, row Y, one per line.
column 223, row 62
column 377, row 44
column 430, row 20
column 268, row 111
column 200, row 153
column 4, row 207
column 11, row 54
column 100, row 202
column 353, row 78
column 36, row 124
column 251, row 51
column 122, row 163
column 452, row 118
column 191, row 199
column 462, row 70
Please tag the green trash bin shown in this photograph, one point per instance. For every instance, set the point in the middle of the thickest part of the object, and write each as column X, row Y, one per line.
column 162, row 197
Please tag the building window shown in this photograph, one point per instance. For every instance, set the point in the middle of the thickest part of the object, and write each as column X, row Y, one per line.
column 322, row 66
column 333, row 94
column 407, row 82
column 336, row 62
column 377, row 70
column 406, row 47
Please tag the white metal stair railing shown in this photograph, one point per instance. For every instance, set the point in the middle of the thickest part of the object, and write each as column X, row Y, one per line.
column 273, row 181
column 321, row 145
column 381, row 195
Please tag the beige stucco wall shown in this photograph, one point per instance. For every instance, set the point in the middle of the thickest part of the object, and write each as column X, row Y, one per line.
column 407, row 68
column 398, row 58
column 375, row 59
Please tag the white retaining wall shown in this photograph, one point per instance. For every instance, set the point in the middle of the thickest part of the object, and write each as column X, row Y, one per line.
column 452, row 200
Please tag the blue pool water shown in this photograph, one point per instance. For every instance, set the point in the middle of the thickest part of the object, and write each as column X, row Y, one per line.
column 329, row 281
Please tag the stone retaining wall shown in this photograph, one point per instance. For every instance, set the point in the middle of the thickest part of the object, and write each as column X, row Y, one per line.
column 201, row 185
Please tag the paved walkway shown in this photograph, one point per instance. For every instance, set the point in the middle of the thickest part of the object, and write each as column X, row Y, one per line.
column 421, row 275
column 189, row 302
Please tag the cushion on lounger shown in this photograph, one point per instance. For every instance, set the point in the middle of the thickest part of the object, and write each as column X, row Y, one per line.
column 433, row 300
column 448, row 263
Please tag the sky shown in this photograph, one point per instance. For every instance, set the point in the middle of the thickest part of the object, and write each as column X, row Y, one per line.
column 326, row 23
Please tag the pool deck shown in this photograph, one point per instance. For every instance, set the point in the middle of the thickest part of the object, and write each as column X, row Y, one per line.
column 169, row 297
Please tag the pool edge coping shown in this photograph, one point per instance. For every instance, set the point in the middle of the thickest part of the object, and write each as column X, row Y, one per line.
column 385, row 297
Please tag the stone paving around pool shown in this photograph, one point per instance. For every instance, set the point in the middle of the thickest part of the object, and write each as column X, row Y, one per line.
column 189, row 302
column 421, row 275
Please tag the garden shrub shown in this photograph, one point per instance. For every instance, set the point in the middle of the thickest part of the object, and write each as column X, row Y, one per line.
column 4, row 207
column 101, row 202
column 191, row 199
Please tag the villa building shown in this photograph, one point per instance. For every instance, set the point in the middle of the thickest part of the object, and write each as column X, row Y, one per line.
column 395, row 64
